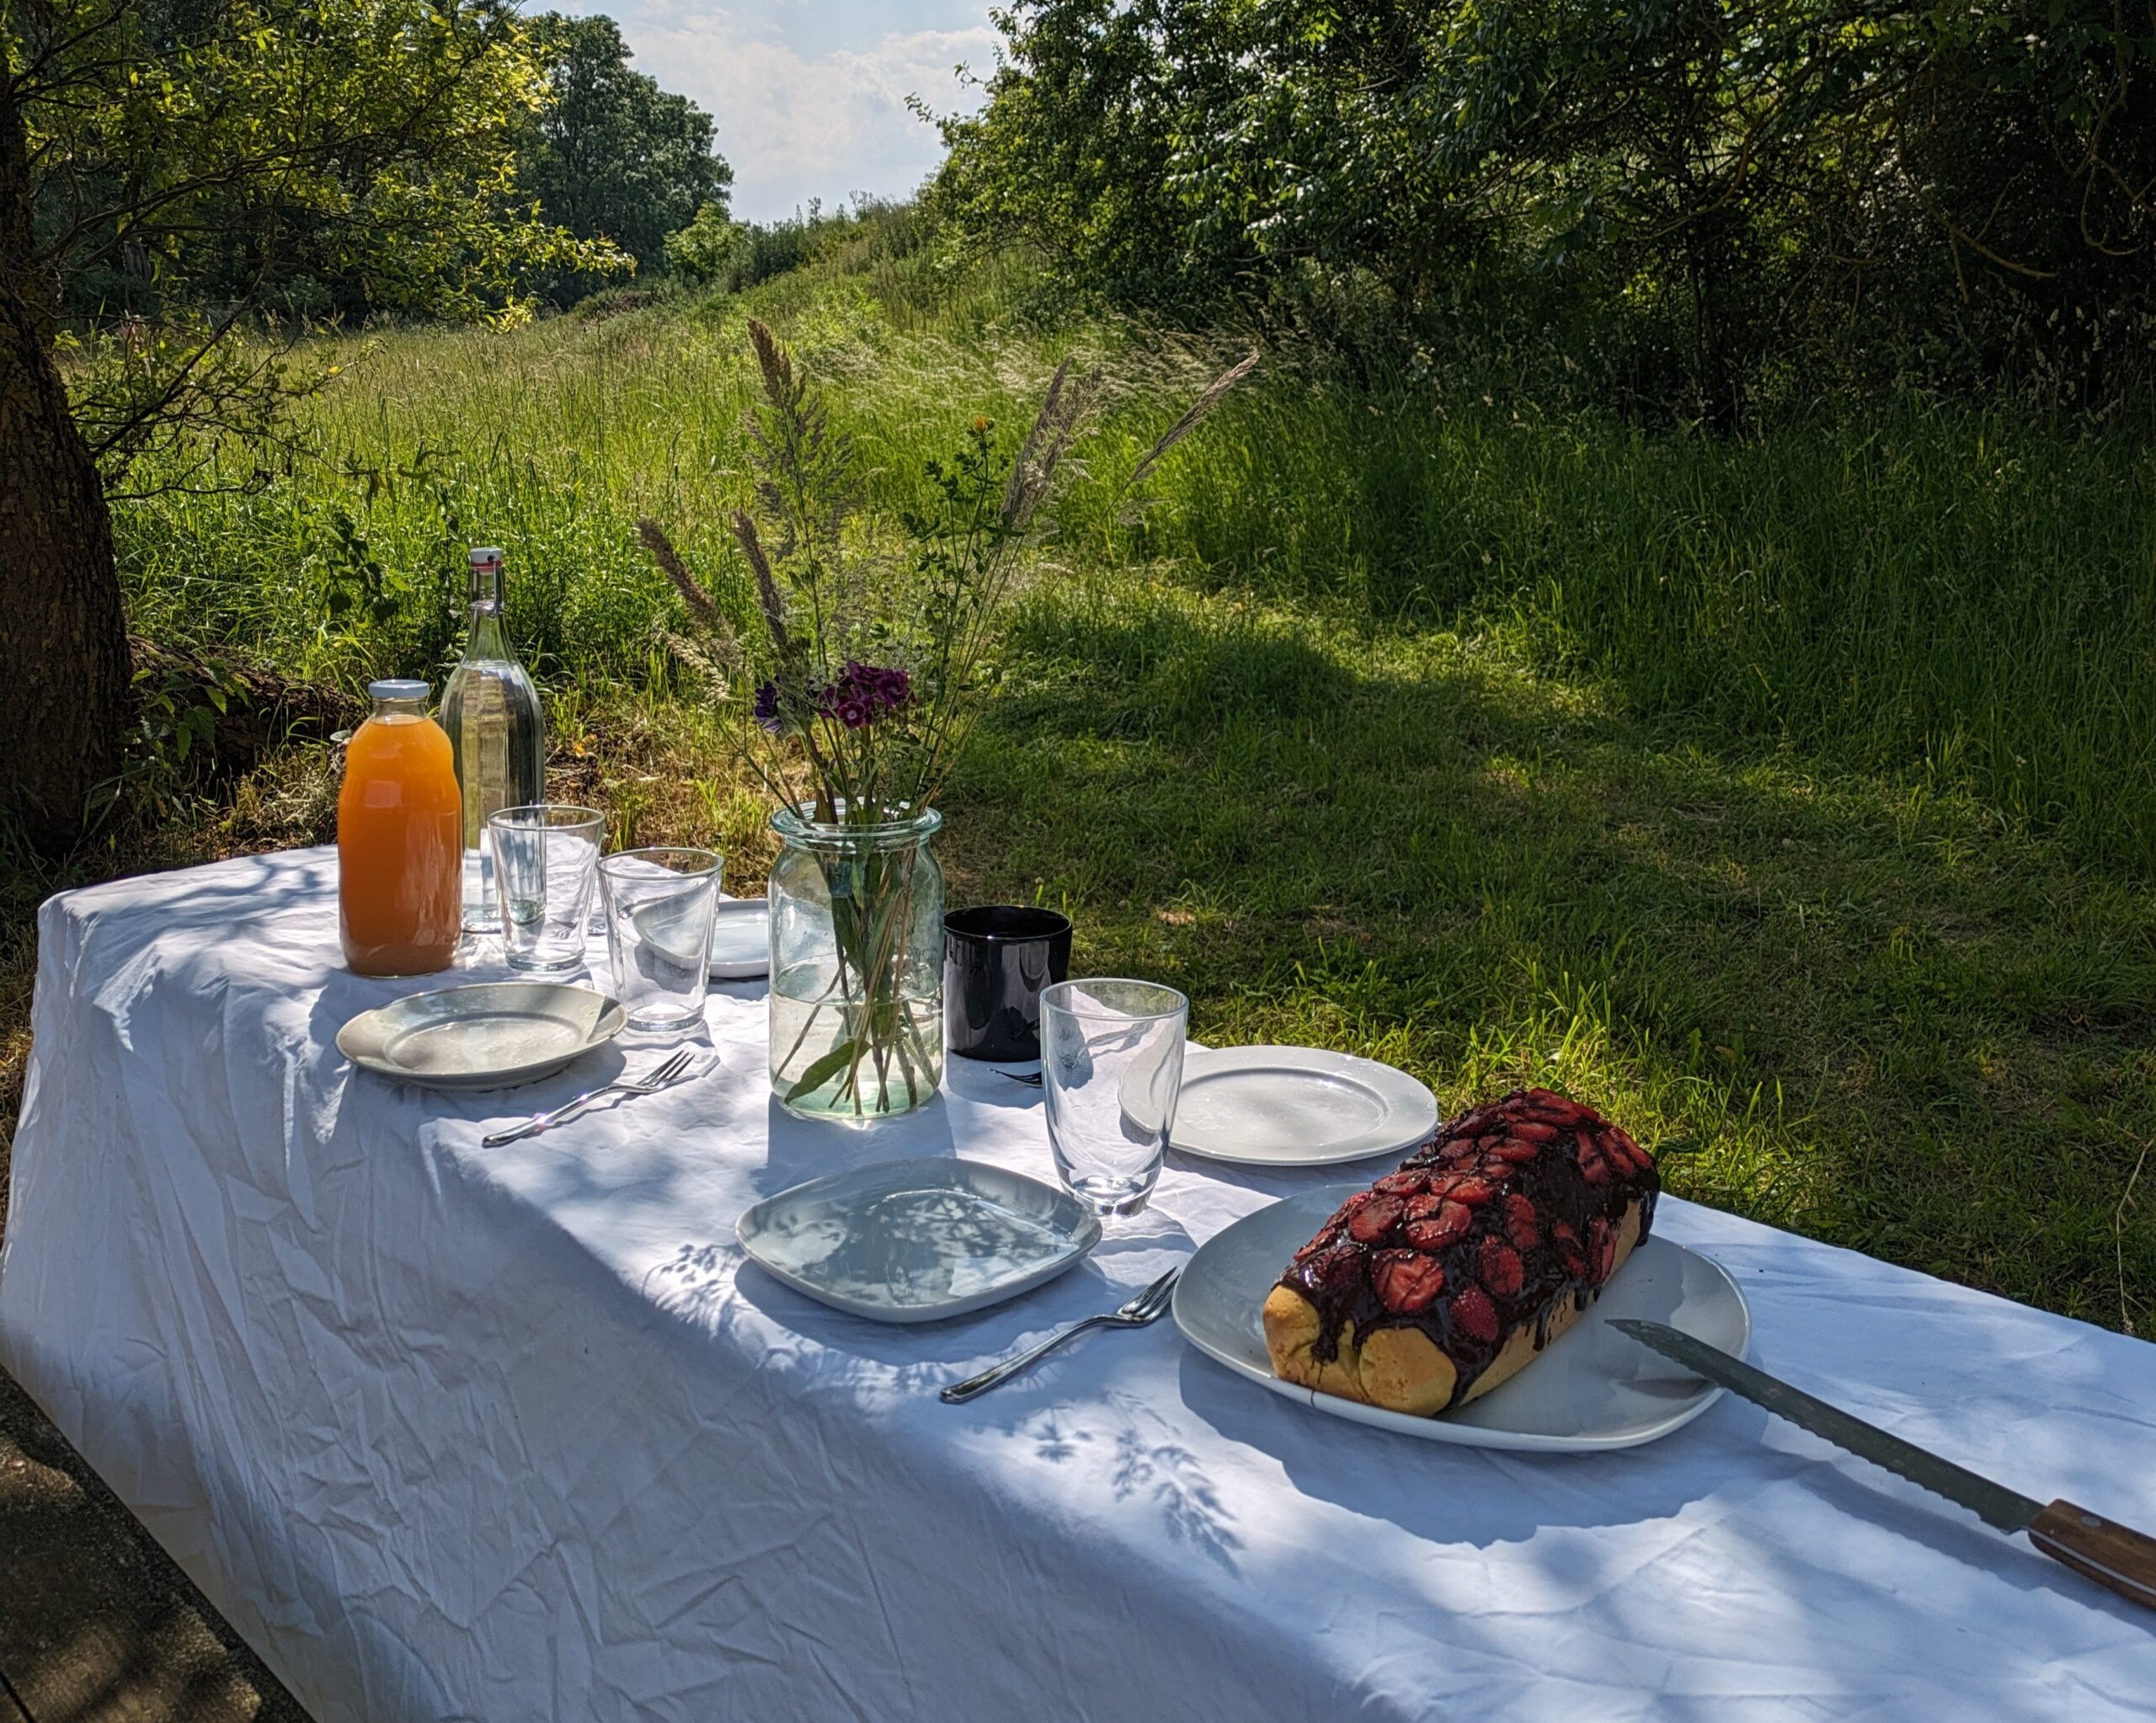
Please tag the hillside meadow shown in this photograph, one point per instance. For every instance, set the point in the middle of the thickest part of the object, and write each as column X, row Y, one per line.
column 1793, row 797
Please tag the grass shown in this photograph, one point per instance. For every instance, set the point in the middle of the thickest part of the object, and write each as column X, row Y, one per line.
column 1794, row 798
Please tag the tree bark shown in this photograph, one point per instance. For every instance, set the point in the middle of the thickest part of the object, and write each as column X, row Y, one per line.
column 63, row 631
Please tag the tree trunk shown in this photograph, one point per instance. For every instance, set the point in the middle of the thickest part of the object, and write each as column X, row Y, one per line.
column 63, row 632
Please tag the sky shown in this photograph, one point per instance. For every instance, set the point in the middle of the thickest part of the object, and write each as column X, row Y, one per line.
column 809, row 96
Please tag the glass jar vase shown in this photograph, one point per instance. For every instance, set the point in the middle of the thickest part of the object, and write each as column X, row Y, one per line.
column 856, row 977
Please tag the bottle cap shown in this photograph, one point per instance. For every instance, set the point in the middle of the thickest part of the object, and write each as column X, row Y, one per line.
column 398, row 688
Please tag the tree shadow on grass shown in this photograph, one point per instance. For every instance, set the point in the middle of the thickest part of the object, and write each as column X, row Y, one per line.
column 1882, row 1019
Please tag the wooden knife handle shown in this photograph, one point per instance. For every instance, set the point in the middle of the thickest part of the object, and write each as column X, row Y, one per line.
column 2110, row 1554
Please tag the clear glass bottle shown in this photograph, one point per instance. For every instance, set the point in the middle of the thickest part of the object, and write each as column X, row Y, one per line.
column 491, row 710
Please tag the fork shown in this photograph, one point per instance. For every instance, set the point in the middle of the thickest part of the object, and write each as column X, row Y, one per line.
column 1148, row 1306
column 660, row 1078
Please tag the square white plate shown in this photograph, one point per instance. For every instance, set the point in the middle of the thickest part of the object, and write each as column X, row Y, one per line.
column 917, row 1240
column 1592, row 1389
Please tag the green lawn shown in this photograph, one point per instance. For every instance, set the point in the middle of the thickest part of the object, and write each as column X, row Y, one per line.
column 1794, row 799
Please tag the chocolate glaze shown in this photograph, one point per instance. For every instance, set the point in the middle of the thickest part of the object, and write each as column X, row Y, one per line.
column 1335, row 1271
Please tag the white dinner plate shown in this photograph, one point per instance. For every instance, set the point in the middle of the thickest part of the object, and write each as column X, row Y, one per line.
column 741, row 940
column 915, row 1240
column 1592, row 1389
column 493, row 1034
column 1296, row 1106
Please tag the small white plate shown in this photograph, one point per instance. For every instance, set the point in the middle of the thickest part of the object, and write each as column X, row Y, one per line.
column 1592, row 1389
column 915, row 1240
column 491, row 1036
column 741, row 940
column 1296, row 1106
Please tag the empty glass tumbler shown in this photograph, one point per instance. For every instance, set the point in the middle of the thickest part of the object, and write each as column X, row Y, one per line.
column 1111, row 1069
column 546, row 865
column 660, row 910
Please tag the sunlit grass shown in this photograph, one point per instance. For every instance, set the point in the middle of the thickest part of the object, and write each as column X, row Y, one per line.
column 1794, row 798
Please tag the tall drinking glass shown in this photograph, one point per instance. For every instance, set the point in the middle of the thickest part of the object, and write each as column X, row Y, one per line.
column 660, row 904
column 1110, row 1069
column 546, row 864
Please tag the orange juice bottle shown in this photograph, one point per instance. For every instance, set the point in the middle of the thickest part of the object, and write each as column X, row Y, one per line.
column 400, row 846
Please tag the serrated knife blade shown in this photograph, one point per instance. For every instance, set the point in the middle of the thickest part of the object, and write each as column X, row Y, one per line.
column 2112, row 1554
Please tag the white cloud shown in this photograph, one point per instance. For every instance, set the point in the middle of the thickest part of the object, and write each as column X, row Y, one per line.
column 807, row 113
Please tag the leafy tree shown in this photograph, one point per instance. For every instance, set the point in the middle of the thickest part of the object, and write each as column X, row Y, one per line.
column 704, row 250
column 197, row 156
column 611, row 155
column 1742, row 173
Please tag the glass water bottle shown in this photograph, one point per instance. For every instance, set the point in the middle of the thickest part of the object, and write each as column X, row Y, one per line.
column 491, row 712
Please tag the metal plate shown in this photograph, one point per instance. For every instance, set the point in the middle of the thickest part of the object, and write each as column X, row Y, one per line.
column 1592, row 1389
column 916, row 1240
column 493, row 1035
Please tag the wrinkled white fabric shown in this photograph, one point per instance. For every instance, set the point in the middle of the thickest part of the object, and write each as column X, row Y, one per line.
column 514, row 1434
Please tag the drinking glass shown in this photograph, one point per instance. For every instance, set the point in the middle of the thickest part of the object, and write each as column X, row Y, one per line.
column 1110, row 1069
column 546, row 862
column 660, row 904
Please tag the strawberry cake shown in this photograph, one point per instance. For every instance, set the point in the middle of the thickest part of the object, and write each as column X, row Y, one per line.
column 1446, row 1278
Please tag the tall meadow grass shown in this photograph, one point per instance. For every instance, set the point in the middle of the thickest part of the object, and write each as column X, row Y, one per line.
column 1949, row 596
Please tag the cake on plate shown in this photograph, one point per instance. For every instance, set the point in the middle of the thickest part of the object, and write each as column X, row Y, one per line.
column 1448, row 1277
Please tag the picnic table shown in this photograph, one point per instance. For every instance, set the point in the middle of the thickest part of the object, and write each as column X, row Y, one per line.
column 518, row 1433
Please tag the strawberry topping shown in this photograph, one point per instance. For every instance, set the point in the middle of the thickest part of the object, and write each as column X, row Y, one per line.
column 1406, row 1280
column 1474, row 1315
column 1450, row 1223
column 1373, row 1220
column 1497, row 1267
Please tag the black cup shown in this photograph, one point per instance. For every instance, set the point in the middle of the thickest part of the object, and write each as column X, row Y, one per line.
column 996, row 960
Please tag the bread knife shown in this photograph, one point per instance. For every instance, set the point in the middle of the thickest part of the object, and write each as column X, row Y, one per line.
column 2111, row 1555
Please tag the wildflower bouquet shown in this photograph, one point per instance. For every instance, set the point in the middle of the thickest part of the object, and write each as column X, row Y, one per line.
column 872, row 669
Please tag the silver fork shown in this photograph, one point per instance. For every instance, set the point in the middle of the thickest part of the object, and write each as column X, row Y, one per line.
column 660, row 1078
column 1148, row 1306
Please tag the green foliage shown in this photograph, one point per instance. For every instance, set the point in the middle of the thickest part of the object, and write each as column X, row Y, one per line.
column 703, row 251
column 190, row 163
column 613, row 157
column 735, row 257
column 1701, row 195
column 359, row 148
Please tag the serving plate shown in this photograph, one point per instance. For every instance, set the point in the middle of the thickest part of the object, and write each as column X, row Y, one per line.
column 492, row 1035
column 1592, row 1389
column 1296, row 1106
column 918, row 1240
column 741, row 940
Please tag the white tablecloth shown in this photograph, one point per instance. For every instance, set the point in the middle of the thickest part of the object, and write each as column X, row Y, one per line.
column 516, row 1434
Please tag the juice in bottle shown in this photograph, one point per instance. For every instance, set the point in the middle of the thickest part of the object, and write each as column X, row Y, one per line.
column 400, row 848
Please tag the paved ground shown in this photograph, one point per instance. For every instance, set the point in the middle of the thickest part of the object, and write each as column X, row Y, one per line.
column 97, row 1626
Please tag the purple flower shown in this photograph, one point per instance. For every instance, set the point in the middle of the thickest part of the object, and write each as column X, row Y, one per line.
column 766, row 708
column 861, row 694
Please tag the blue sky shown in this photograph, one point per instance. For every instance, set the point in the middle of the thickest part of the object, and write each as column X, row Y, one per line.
column 809, row 95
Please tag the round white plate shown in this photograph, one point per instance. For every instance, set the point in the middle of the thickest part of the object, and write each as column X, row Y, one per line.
column 741, row 940
column 916, row 1240
column 1592, row 1389
column 491, row 1036
column 1296, row 1106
